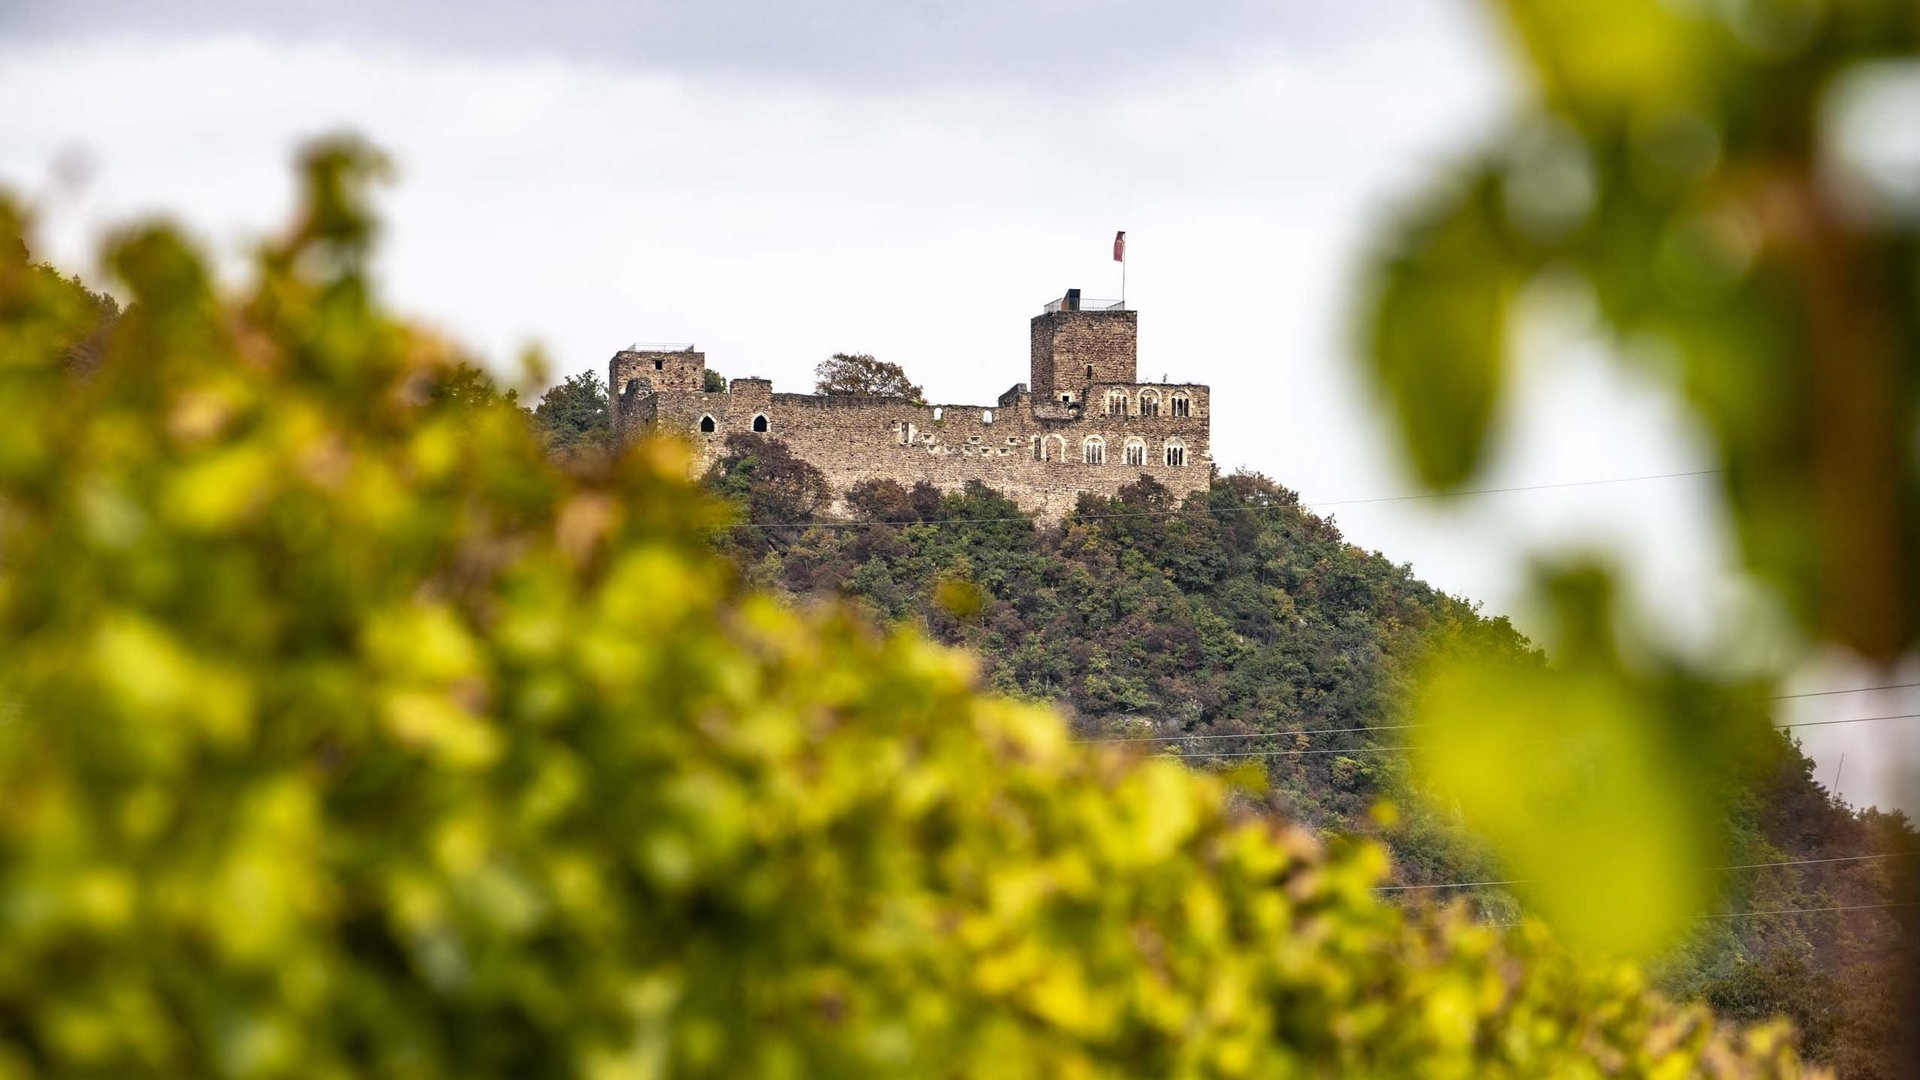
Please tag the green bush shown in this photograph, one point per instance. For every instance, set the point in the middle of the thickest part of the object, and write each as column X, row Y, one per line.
column 350, row 736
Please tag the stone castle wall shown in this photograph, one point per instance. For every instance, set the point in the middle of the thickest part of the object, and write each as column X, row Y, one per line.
column 1031, row 446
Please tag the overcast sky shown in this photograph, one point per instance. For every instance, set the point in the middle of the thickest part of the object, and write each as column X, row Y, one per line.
column 778, row 181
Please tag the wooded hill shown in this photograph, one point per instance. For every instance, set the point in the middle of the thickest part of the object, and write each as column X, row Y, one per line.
column 1245, row 634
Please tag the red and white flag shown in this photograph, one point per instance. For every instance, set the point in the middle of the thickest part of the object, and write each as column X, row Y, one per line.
column 1120, row 246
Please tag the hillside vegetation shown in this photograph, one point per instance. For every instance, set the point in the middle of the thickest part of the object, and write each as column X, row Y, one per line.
column 1243, row 634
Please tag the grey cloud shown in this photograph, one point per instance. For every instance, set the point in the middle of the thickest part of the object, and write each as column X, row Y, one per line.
column 1067, row 46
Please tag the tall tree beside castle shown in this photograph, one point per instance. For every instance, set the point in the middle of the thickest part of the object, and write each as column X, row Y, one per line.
column 861, row 375
column 572, row 417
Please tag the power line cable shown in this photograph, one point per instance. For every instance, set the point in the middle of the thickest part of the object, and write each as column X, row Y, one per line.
column 1855, row 720
column 1802, row 910
column 1817, row 862
column 1384, row 749
column 1217, row 510
column 1771, row 911
column 1855, row 690
column 1246, row 734
column 1739, row 866
column 1522, row 487
column 1288, row 732
column 1302, row 753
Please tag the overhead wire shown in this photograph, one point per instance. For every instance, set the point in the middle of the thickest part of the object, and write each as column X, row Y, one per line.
column 1854, row 720
column 1738, row 866
column 1854, row 690
column 1220, row 510
column 1300, row 732
column 1770, row 911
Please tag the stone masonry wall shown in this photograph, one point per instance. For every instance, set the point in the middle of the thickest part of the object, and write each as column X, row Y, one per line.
column 1066, row 344
column 1087, row 424
column 635, row 373
column 855, row 439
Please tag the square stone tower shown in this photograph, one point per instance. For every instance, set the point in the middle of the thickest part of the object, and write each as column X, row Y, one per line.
column 1078, row 343
column 647, row 371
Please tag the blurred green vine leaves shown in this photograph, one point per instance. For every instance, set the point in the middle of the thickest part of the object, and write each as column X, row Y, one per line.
column 346, row 733
column 1691, row 166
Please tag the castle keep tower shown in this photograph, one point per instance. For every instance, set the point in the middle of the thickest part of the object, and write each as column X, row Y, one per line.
column 1087, row 424
column 1078, row 343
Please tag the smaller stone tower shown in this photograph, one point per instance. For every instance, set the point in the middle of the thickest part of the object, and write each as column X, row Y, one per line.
column 1079, row 343
column 636, row 375
column 647, row 371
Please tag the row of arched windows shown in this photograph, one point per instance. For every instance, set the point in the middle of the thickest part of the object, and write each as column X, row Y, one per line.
column 1093, row 450
column 760, row 424
column 1179, row 403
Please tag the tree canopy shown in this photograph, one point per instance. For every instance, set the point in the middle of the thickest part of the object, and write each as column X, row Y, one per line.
column 349, row 735
column 860, row 375
column 1243, row 633
column 575, row 416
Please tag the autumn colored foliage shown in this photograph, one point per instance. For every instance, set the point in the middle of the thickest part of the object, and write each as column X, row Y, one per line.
column 348, row 735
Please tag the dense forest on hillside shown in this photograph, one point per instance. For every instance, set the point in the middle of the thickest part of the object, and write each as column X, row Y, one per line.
column 1245, row 634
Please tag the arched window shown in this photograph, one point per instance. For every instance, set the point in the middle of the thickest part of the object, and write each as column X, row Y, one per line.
column 707, row 425
column 986, row 416
column 1149, row 403
column 938, row 412
column 1182, row 405
column 1096, row 450
column 1176, row 453
column 1136, row 451
column 632, row 385
column 760, row 422
column 1053, row 448
column 1116, row 403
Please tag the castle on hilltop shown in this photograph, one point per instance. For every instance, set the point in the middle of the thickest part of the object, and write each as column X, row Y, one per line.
column 1084, row 421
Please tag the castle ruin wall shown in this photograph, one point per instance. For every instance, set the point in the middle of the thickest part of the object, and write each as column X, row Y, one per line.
column 1030, row 445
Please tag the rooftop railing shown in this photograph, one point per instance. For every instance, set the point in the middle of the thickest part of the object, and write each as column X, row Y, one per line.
column 1086, row 305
